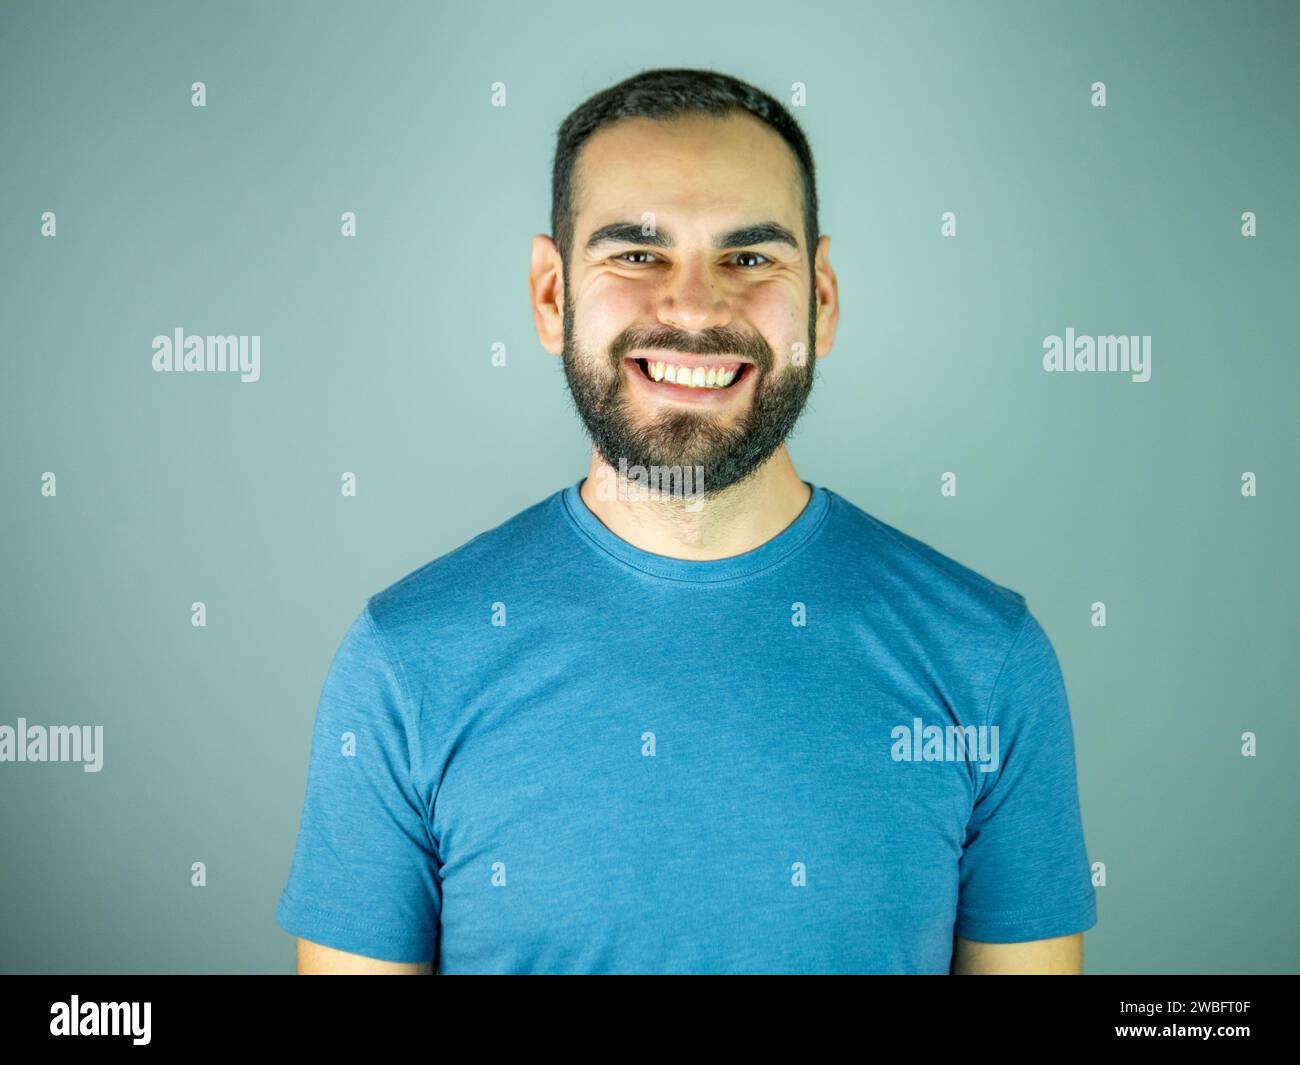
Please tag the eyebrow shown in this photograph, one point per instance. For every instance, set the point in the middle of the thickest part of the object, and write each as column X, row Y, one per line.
column 630, row 233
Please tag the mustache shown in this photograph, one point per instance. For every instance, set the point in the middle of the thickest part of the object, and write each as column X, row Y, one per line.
column 713, row 342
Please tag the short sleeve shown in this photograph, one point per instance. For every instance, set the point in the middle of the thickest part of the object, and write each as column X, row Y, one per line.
column 364, row 872
column 1024, row 868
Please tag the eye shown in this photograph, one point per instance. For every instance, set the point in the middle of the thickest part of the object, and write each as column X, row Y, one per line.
column 755, row 255
column 619, row 257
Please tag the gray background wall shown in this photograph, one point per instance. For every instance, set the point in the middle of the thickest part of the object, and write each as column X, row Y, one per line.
column 1073, row 488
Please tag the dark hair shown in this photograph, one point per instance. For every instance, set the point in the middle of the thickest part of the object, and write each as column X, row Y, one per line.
column 665, row 94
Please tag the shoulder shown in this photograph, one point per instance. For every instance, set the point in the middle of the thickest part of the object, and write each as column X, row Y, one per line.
column 919, row 584
column 439, row 591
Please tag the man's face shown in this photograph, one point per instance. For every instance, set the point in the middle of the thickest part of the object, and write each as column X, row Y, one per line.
column 733, row 325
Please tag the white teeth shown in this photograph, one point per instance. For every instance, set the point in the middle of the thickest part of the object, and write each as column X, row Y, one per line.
column 698, row 377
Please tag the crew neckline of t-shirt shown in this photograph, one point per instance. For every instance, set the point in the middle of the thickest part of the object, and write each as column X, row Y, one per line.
column 780, row 547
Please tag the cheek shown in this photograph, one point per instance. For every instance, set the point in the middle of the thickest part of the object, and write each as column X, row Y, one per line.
column 609, row 309
column 778, row 317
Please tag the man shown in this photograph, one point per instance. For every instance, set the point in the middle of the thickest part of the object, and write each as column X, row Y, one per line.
column 691, row 714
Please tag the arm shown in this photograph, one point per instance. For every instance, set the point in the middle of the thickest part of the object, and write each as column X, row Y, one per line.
column 317, row 960
column 1062, row 956
column 1025, row 894
column 363, row 893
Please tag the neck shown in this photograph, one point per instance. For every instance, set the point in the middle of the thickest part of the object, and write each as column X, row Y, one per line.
column 735, row 520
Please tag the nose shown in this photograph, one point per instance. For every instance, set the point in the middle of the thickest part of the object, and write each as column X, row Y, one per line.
column 691, row 301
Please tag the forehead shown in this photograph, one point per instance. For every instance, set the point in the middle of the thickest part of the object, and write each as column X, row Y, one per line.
column 694, row 169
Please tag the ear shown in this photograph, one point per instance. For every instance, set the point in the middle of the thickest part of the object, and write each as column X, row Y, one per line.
column 828, row 298
column 546, row 289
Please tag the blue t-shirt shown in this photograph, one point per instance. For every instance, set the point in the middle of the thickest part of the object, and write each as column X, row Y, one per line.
column 549, row 751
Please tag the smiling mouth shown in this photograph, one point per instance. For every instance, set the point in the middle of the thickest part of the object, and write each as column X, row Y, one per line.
column 710, row 378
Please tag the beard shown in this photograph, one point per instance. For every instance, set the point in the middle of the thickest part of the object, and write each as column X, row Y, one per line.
column 726, row 454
